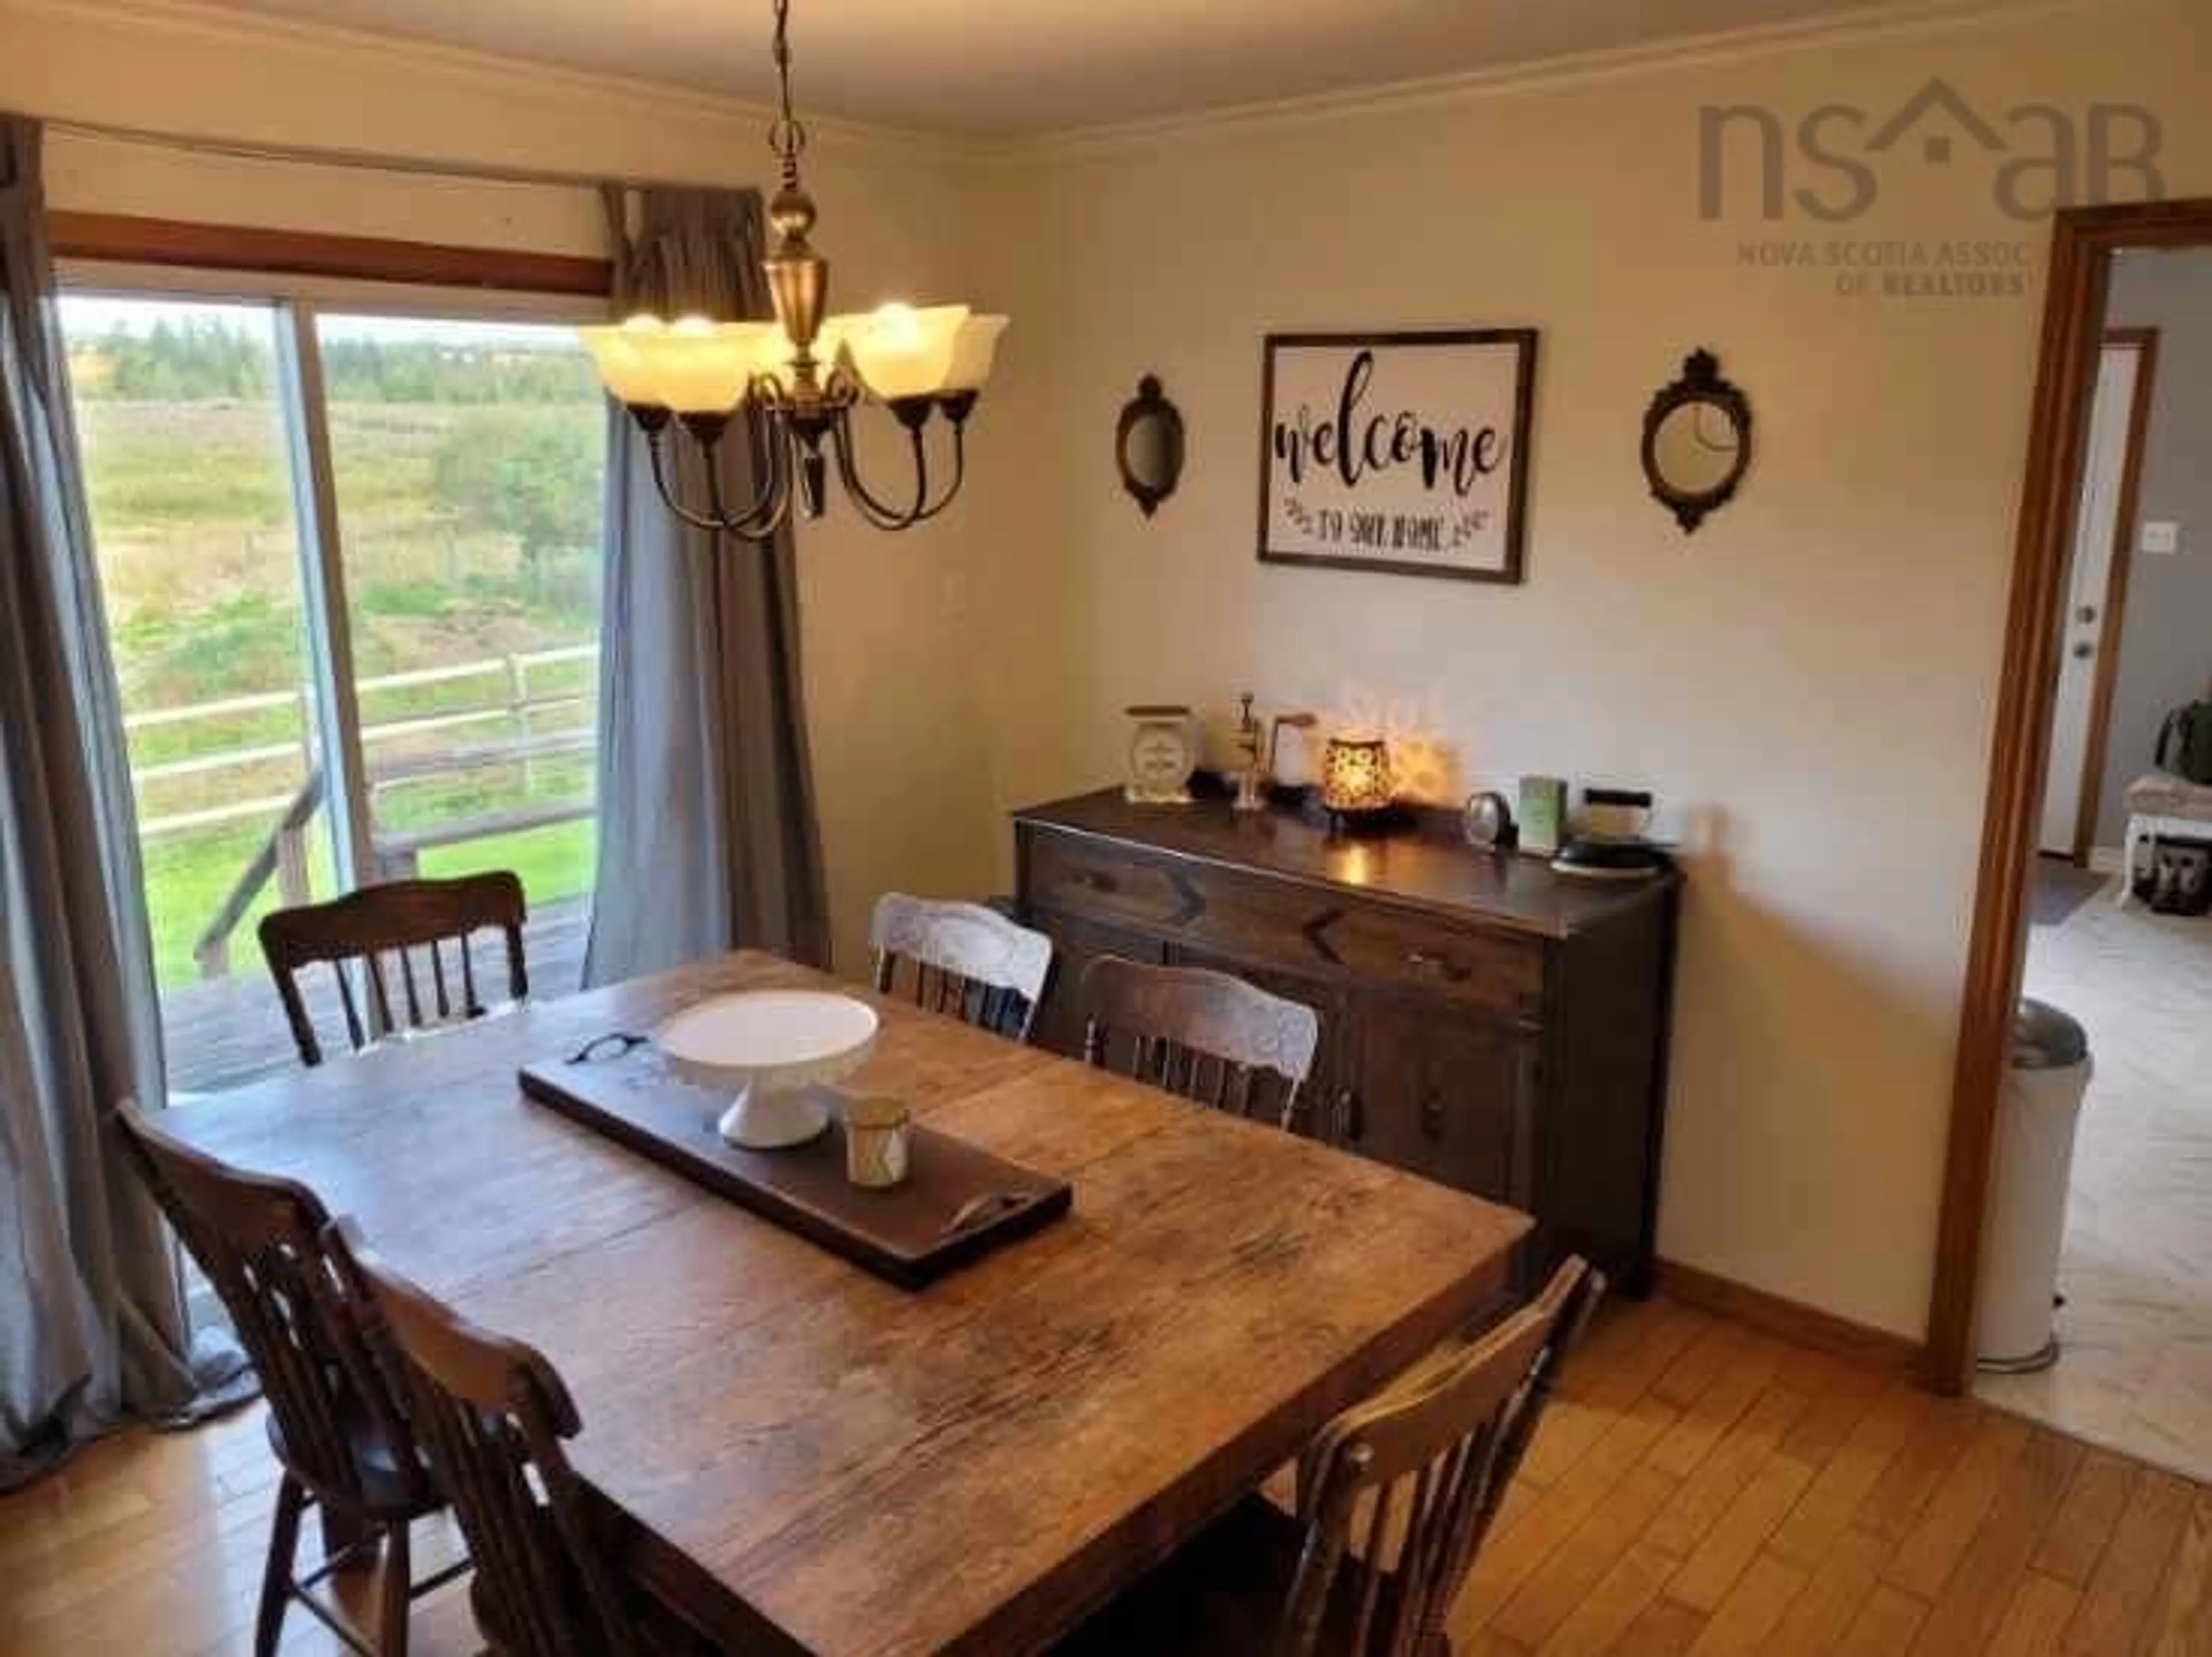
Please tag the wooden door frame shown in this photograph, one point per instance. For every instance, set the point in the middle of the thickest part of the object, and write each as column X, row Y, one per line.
column 2143, row 342
column 2083, row 241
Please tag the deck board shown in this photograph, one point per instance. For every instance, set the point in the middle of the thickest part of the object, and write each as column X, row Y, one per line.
column 221, row 1032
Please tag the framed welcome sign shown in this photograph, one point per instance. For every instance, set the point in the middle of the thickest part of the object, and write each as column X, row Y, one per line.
column 1404, row 452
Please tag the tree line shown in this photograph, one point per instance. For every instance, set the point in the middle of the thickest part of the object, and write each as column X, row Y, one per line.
column 197, row 360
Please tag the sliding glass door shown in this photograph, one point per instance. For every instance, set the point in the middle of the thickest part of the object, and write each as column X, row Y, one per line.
column 188, row 460
column 351, row 567
column 469, row 462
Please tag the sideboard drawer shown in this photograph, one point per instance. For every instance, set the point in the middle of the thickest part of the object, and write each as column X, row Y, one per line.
column 1497, row 972
column 1105, row 881
column 1302, row 928
column 1245, row 916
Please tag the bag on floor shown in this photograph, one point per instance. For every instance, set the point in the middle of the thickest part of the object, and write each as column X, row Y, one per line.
column 2178, row 878
column 2185, row 743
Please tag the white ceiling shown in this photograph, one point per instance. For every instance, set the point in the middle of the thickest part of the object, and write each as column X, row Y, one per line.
column 1009, row 68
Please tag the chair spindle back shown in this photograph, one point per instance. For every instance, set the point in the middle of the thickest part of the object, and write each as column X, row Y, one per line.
column 490, row 1413
column 259, row 1241
column 1423, row 1467
column 964, row 959
column 396, row 919
column 1208, row 1036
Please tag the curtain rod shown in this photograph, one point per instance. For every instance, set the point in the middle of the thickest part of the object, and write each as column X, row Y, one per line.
column 361, row 161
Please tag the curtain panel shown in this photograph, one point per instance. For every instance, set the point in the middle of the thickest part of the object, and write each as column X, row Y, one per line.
column 91, row 1323
column 707, row 834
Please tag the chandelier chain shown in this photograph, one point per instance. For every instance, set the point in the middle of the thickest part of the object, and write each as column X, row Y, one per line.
column 787, row 137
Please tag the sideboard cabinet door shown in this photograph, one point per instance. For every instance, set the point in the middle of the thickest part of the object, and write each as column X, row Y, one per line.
column 1445, row 1095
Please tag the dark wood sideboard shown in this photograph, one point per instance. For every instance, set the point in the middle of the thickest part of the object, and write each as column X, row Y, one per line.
column 1486, row 1023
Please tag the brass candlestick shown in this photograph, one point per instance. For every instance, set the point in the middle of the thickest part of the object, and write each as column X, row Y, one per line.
column 1251, row 789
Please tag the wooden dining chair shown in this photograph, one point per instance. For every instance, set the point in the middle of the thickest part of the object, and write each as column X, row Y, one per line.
column 491, row 1413
column 1204, row 1034
column 342, row 1443
column 398, row 920
column 1394, row 1499
column 961, row 959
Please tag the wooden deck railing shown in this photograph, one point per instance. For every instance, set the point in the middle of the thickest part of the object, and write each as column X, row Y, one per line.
column 281, row 854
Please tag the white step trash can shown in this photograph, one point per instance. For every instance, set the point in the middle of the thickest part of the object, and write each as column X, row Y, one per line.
column 2049, row 1072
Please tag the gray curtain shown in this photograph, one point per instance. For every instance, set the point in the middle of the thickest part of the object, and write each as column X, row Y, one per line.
column 708, row 837
column 92, row 1326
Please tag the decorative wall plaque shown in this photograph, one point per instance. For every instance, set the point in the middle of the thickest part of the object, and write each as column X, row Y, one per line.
column 1404, row 452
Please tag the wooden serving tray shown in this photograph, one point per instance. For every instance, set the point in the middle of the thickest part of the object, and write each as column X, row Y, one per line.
column 905, row 1235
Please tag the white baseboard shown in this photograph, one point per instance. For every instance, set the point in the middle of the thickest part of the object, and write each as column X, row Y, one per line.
column 2106, row 860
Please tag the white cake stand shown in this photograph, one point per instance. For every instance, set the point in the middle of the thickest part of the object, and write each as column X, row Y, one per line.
column 779, row 1050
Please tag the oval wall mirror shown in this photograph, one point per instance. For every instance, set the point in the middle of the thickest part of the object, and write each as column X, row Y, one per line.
column 1148, row 445
column 1697, row 441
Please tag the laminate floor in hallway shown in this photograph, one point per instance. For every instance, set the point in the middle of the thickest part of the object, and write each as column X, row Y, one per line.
column 2135, row 1373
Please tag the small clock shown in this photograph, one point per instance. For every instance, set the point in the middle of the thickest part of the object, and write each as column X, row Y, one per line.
column 1488, row 821
column 1163, row 754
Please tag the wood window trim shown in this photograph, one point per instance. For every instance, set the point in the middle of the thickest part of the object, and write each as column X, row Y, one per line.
column 121, row 237
column 2083, row 241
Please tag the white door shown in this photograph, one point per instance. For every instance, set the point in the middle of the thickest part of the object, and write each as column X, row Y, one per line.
column 2083, row 642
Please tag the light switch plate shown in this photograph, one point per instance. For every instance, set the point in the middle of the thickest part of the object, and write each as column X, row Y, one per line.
column 2159, row 538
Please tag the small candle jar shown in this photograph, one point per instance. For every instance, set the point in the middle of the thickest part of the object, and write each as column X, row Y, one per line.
column 1355, row 776
column 875, row 1131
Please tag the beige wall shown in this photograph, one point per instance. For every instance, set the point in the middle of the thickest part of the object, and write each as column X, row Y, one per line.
column 1807, row 682
column 900, row 754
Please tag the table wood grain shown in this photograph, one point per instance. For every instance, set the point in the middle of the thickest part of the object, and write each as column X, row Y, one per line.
column 806, row 1457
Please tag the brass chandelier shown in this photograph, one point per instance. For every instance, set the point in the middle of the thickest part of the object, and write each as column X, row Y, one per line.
column 802, row 375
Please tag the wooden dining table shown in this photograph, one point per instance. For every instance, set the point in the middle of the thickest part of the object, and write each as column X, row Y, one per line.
column 798, row 1455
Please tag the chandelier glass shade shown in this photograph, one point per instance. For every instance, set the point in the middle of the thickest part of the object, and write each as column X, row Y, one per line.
column 800, row 377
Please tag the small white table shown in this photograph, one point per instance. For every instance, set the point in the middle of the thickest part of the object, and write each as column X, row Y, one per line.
column 2161, row 806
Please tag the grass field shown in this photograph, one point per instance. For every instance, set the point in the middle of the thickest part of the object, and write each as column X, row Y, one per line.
column 469, row 534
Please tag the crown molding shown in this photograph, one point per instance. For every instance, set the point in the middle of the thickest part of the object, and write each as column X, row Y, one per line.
column 200, row 21
column 1889, row 20
column 1885, row 22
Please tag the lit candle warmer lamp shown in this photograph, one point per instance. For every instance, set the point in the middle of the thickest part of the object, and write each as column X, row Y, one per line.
column 1355, row 781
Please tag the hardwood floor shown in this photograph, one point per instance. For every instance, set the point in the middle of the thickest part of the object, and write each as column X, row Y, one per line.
column 150, row 1545
column 1699, row 1487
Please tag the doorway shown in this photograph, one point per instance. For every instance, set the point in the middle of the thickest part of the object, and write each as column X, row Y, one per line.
column 2107, row 945
column 2097, row 588
column 2086, row 244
